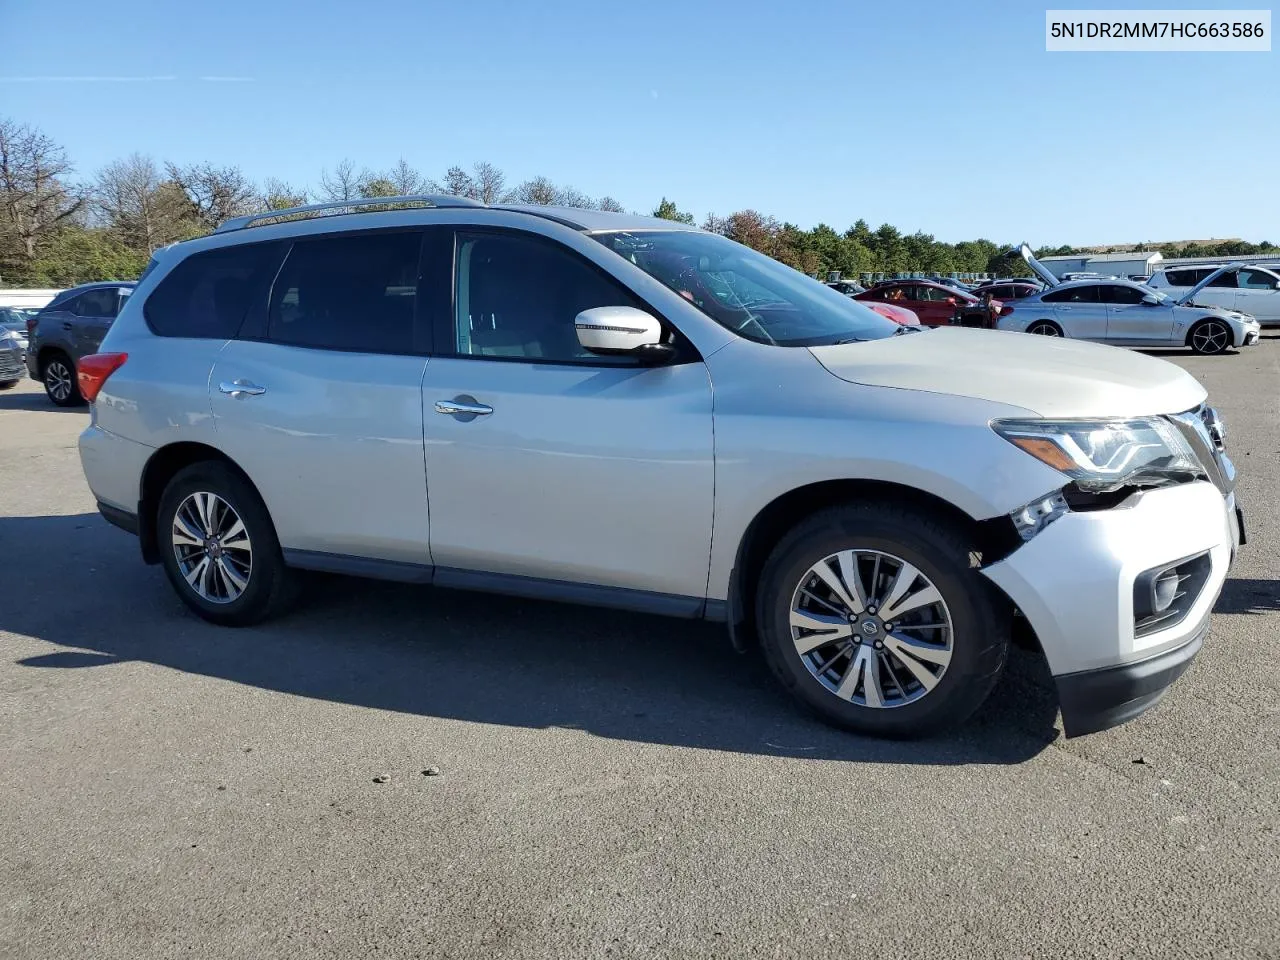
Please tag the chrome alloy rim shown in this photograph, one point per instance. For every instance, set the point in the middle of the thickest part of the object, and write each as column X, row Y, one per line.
column 212, row 547
column 58, row 379
column 871, row 628
column 1044, row 330
column 1210, row 337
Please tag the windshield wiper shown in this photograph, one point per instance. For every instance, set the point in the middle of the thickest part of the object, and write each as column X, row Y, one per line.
column 836, row 343
column 901, row 330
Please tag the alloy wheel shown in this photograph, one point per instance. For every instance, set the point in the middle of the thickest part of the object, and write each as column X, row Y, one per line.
column 871, row 628
column 1045, row 330
column 1212, row 336
column 57, row 378
column 212, row 547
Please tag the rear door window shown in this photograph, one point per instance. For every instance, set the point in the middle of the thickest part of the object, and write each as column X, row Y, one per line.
column 102, row 302
column 207, row 295
column 1084, row 294
column 1257, row 280
column 1227, row 279
column 356, row 292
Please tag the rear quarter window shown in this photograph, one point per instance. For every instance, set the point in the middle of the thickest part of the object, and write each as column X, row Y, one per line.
column 207, row 295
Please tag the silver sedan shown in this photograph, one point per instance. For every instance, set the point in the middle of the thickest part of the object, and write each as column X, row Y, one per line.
column 1126, row 313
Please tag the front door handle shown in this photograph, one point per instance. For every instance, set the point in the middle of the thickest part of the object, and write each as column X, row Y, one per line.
column 464, row 408
column 241, row 388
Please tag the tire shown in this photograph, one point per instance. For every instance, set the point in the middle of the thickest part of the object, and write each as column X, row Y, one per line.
column 1209, row 336
column 268, row 586
column 58, row 374
column 934, row 547
column 1045, row 328
column 8, row 384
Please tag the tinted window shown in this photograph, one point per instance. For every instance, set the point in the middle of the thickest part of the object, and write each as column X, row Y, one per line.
column 102, row 302
column 1085, row 294
column 1257, row 280
column 354, row 293
column 518, row 297
column 207, row 294
column 1227, row 279
column 1114, row 293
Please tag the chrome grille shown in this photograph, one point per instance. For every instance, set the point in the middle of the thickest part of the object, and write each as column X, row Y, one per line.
column 11, row 366
column 1203, row 430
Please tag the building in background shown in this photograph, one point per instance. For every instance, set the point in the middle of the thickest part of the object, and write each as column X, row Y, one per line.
column 1137, row 263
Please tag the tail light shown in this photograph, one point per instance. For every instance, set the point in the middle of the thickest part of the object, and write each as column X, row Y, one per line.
column 31, row 327
column 92, row 372
column 1006, row 309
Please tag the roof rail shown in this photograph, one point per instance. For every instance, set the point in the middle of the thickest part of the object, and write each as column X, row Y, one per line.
column 339, row 207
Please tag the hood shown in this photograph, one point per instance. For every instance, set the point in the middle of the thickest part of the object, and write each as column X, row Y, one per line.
column 1038, row 268
column 1050, row 376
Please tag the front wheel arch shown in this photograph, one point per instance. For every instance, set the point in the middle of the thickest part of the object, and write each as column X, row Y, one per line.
column 996, row 537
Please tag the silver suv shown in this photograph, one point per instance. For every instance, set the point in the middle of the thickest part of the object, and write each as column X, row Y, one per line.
column 617, row 410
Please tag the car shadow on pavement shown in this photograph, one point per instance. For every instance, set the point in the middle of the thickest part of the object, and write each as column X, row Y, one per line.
column 78, row 583
column 37, row 402
column 1248, row 596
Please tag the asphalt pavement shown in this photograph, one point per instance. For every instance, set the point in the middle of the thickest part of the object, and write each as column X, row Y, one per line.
column 609, row 785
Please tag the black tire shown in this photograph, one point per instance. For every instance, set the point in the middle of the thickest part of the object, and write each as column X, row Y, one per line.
column 271, row 586
column 56, row 371
column 1207, row 344
column 1045, row 328
column 936, row 547
column 8, row 384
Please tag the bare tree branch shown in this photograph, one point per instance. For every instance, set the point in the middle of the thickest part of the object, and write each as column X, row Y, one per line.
column 35, row 199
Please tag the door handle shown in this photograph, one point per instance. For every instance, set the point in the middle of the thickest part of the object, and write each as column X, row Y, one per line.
column 464, row 408
column 241, row 388
column 66, row 324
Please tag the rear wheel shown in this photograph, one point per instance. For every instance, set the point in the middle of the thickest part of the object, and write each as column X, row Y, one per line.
column 219, row 547
column 1209, row 336
column 1045, row 328
column 872, row 616
column 59, row 376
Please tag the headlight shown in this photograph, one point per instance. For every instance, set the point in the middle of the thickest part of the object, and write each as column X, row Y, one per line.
column 1102, row 455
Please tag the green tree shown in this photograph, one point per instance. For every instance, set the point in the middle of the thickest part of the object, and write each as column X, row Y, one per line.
column 666, row 210
column 77, row 254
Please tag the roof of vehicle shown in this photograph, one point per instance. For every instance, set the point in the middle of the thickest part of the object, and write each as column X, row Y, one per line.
column 99, row 283
column 1094, row 282
column 596, row 221
column 1270, row 267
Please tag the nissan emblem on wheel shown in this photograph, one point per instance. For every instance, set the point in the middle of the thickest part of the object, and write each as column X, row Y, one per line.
column 625, row 411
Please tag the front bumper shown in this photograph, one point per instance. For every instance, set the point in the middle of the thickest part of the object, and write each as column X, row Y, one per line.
column 1094, row 700
column 1074, row 582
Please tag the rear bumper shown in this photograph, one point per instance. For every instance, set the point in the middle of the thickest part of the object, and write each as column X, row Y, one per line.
column 1094, row 700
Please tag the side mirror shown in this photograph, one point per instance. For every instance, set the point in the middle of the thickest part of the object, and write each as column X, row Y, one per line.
column 1278, row 284
column 1150, row 300
column 622, row 331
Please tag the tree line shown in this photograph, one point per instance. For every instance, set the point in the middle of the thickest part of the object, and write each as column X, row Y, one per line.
column 59, row 230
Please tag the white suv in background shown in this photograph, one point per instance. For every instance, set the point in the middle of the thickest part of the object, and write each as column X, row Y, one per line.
column 1251, row 289
column 624, row 411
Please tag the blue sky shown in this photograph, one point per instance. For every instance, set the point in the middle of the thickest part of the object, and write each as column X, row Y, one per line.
column 934, row 115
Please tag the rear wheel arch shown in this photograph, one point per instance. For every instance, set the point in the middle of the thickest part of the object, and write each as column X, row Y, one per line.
column 993, row 538
column 162, row 466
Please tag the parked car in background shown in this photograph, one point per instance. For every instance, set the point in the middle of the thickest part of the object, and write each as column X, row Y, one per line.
column 1125, row 313
column 1251, row 289
column 15, row 321
column 936, row 304
column 11, row 357
column 847, row 287
column 565, row 403
column 894, row 312
column 1005, row 290
column 70, row 327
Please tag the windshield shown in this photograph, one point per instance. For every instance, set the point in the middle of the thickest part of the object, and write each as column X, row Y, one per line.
column 753, row 295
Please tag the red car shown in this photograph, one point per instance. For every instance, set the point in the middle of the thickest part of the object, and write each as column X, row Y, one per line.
column 936, row 304
column 897, row 314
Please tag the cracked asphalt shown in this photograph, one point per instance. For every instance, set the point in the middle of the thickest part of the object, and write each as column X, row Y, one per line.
column 609, row 785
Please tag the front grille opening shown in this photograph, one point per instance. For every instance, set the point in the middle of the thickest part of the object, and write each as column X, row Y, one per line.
column 1163, row 596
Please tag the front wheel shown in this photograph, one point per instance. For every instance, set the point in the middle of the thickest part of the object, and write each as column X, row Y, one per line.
column 219, row 547
column 872, row 616
column 1209, row 336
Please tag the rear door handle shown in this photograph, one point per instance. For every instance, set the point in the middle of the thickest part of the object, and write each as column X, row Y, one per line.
column 241, row 388
column 464, row 408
